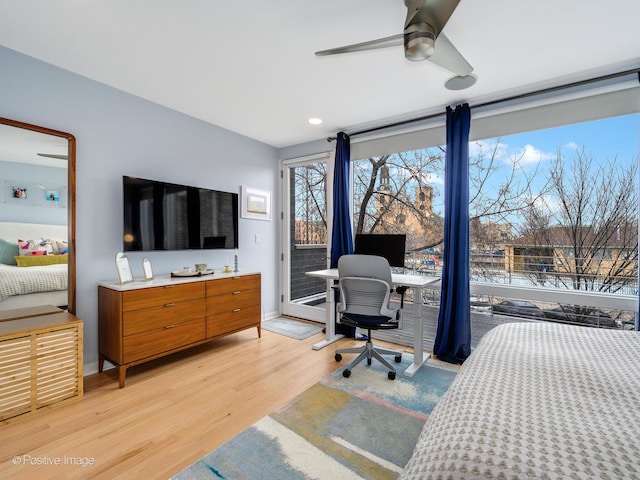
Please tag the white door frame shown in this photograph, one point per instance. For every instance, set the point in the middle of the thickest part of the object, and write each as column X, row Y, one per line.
column 317, row 314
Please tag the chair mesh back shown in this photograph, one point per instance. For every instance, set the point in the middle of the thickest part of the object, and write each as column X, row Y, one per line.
column 361, row 296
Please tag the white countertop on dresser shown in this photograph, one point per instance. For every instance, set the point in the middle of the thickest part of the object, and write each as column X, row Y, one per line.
column 164, row 280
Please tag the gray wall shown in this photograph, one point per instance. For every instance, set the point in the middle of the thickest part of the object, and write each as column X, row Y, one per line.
column 120, row 134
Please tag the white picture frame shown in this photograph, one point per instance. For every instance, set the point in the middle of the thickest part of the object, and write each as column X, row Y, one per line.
column 147, row 270
column 256, row 204
column 124, row 268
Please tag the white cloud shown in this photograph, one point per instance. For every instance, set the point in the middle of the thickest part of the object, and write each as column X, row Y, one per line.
column 483, row 147
column 548, row 204
column 530, row 155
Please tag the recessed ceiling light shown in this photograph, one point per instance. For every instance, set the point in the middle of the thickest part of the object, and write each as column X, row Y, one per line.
column 460, row 82
column 315, row 121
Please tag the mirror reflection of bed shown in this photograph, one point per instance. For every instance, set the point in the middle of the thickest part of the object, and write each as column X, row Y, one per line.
column 39, row 164
column 34, row 279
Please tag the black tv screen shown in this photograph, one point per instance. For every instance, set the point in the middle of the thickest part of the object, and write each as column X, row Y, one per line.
column 167, row 216
column 389, row 246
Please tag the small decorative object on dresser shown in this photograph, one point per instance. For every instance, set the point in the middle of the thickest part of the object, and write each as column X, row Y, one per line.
column 139, row 322
column 123, row 268
column 146, row 268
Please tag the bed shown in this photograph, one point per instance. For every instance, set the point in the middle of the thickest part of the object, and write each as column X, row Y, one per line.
column 22, row 286
column 537, row 400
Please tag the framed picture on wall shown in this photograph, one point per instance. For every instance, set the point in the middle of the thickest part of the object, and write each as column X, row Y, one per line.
column 52, row 196
column 256, row 203
column 19, row 192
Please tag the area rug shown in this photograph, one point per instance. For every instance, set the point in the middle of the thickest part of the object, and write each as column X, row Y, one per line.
column 361, row 427
column 291, row 328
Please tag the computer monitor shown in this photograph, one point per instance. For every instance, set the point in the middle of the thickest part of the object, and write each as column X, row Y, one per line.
column 389, row 246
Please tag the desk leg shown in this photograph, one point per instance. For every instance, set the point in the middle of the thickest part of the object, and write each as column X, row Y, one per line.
column 330, row 326
column 418, row 330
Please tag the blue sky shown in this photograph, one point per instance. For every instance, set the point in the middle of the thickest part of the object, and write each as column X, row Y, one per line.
column 604, row 138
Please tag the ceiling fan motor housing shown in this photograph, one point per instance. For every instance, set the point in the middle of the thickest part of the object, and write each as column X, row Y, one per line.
column 419, row 41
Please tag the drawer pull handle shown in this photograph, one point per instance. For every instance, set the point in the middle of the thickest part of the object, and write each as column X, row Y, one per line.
column 169, row 304
column 169, row 326
column 236, row 292
column 235, row 310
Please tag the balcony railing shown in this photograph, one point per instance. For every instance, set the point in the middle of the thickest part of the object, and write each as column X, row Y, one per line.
column 494, row 291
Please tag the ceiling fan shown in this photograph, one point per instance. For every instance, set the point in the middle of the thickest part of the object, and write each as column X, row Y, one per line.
column 422, row 38
column 54, row 155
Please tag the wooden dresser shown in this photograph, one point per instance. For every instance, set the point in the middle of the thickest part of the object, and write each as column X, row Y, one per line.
column 40, row 360
column 141, row 321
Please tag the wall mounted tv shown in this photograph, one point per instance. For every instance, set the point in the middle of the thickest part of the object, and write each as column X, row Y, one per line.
column 166, row 216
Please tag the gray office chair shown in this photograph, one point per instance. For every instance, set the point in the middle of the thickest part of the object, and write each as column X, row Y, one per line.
column 365, row 291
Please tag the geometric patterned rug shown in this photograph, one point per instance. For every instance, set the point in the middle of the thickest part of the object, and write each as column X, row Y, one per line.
column 361, row 427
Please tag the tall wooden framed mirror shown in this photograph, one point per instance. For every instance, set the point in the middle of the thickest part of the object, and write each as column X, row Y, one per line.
column 37, row 216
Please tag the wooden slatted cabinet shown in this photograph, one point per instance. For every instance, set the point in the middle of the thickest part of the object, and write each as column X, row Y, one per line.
column 40, row 360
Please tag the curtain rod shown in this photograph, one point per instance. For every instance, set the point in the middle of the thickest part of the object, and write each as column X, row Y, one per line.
column 502, row 100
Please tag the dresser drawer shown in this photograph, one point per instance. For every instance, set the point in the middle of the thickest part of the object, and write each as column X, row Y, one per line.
column 233, row 284
column 150, row 297
column 162, row 339
column 145, row 319
column 232, row 321
column 231, row 301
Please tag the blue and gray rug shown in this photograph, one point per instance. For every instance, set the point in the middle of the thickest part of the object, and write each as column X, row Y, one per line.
column 364, row 427
column 291, row 328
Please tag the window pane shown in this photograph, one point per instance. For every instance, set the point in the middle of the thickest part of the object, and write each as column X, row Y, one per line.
column 558, row 207
column 402, row 193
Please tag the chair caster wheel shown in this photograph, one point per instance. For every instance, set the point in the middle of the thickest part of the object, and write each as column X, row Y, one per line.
column 398, row 358
column 346, row 373
column 338, row 357
column 392, row 375
column 368, row 361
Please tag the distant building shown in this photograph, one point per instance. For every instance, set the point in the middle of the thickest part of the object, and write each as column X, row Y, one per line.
column 310, row 233
column 553, row 250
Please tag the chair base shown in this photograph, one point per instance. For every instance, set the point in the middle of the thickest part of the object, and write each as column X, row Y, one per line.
column 370, row 352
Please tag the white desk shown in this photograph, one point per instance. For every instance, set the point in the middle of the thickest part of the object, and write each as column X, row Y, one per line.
column 416, row 282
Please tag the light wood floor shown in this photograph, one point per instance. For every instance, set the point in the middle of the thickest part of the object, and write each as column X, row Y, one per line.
column 171, row 412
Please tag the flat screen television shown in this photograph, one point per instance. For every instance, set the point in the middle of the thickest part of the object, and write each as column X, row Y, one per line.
column 166, row 216
column 390, row 246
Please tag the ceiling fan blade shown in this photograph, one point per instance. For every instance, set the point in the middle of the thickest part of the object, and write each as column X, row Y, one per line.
column 53, row 155
column 445, row 55
column 392, row 41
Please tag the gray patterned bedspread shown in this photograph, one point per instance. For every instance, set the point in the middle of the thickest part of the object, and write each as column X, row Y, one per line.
column 25, row 280
column 542, row 401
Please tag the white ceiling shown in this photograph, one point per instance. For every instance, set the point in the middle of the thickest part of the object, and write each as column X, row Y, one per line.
column 249, row 66
column 21, row 145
